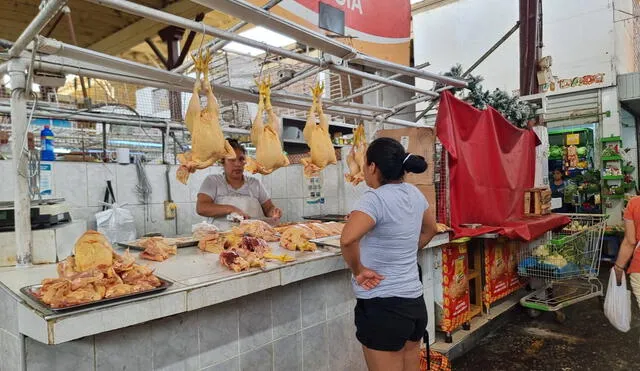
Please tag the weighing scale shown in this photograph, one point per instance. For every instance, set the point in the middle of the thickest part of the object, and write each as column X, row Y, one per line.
column 44, row 214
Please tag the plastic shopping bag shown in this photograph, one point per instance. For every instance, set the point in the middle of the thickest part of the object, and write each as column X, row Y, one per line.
column 117, row 224
column 617, row 304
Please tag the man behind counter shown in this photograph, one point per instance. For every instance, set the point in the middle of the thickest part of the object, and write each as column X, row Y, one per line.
column 233, row 192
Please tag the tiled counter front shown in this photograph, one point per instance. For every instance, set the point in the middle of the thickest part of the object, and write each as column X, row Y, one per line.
column 292, row 317
column 301, row 326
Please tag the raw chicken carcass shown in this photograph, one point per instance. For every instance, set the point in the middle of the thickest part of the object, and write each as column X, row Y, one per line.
column 233, row 261
column 156, row 249
column 207, row 140
column 317, row 138
column 320, row 230
column 297, row 238
column 92, row 250
column 257, row 228
column 269, row 154
column 213, row 243
column 335, row 227
column 356, row 157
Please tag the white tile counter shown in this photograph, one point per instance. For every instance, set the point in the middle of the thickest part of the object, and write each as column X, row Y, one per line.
column 295, row 314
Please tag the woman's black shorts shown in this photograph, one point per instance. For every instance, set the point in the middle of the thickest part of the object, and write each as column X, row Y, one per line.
column 387, row 323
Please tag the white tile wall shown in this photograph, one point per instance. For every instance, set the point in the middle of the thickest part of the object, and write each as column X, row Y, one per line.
column 83, row 186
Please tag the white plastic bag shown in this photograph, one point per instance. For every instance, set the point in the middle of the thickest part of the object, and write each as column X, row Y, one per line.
column 617, row 304
column 117, row 224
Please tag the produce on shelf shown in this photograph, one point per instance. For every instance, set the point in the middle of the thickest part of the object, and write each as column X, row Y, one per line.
column 269, row 154
column 612, row 171
column 207, row 140
column 572, row 156
column 556, row 152
column 582, row 151
column 610, row 151
column 356, row 157
column 317, row 138
column 95, row 272
column 156, row 249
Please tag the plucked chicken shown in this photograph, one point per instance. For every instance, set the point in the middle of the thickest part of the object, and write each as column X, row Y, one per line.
column 257, row 228
column 356, row 157
column 317, row 138
column 269, row 154
column 156, row 249
column 92, row 275
column 207, row 140
column 297, row 238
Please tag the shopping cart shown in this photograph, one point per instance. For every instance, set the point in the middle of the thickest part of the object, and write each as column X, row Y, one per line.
column 568, row 262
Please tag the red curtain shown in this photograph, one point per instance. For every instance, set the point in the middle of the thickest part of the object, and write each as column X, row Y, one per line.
column 491, row 164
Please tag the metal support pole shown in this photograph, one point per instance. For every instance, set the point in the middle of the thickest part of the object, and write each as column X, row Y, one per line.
column 22, row 201
column 384, row 80
column 297, row 77
column 35, row 27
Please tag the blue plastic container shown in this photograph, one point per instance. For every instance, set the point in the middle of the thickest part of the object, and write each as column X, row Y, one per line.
column 46, row 143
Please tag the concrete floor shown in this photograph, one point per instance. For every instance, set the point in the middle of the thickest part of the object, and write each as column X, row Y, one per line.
column 585, row 341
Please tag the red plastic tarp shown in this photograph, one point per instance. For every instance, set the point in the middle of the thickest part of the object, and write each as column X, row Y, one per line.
column 491, row 164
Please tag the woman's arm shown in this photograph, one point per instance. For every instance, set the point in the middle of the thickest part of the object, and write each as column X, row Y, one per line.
column 205, row 206
column 626, row 249
column 358, row 225
column 428, row 230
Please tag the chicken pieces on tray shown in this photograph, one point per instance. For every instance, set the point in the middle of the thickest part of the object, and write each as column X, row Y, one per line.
column 207, row 140
column 157, row 249
column 317, row 137
column 266, row 138
column 356, row 157
column 237, row 252
column 92, row 274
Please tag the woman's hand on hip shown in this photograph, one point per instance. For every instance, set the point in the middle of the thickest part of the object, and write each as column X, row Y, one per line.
column 368, row 278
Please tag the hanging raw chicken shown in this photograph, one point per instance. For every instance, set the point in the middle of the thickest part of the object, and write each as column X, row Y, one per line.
column 265, row 138
column 207, row 141
column 355, row 159
column 317, row 138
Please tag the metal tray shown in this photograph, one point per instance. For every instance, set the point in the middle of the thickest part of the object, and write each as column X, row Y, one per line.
column 326, row 218
column 133, row 244
column 28, row 291
column 331, row 241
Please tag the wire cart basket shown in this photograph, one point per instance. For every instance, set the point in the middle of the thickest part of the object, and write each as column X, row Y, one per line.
column 568, row 263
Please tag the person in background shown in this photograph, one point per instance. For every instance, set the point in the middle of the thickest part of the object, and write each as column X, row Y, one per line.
column 558, row 185
column 233, row 192
column 629, row 253
column 380, row 243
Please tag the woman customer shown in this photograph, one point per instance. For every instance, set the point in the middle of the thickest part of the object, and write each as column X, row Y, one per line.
column 629, row 251
column 380, row 243
column 558, row 184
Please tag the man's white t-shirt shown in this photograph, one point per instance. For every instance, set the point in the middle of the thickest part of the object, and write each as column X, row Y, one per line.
column 216, row 187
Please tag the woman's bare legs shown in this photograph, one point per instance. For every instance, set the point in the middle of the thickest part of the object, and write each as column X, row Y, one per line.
column 406, row 359
column 411, row 352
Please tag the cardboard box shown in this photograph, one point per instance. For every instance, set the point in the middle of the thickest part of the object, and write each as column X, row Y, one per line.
column 418, row 141
column 429, row 191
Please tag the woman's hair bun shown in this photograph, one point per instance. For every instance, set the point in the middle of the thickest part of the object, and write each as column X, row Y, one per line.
column 414, row 164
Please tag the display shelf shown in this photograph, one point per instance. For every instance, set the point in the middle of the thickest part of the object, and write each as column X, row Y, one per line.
column 613, row 177
column 611, row 139
column 612, row 158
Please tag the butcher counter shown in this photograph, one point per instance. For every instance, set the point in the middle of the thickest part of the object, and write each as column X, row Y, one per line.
column 291, row 316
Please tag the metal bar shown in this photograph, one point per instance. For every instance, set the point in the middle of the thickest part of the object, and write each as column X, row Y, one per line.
column 330, row 103
column 174, row 20
column 476, row 64
column 260, row 17
column 297, row 77
column 72, row 31
column 409, row 71
column 21, row 199
column 55, row 23
column 374, row 87
column 157, row 52
column 187, row 45
column 35, row 27
column 384, row 80
column 216, row 45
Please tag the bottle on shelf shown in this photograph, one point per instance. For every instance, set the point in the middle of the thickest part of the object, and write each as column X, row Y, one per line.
column 46, row 145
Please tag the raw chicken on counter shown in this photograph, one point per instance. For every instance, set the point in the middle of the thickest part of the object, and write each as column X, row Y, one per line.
column 356, row 157
column 239, row 253
column 269, row 153
column 207, row 140
column 297, row 237
column 156, row 249
column 93, row 273
column 317, row 137
column 257, row 228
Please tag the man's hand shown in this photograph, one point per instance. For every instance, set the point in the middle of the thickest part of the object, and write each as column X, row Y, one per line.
column 368, row 278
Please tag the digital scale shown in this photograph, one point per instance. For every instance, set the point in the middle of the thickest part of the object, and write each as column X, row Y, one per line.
column 44, row 214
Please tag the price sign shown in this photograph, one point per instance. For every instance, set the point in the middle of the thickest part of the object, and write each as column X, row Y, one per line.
column 573, row 139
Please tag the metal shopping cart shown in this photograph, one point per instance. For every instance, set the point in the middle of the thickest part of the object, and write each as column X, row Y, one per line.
column 568, row 262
